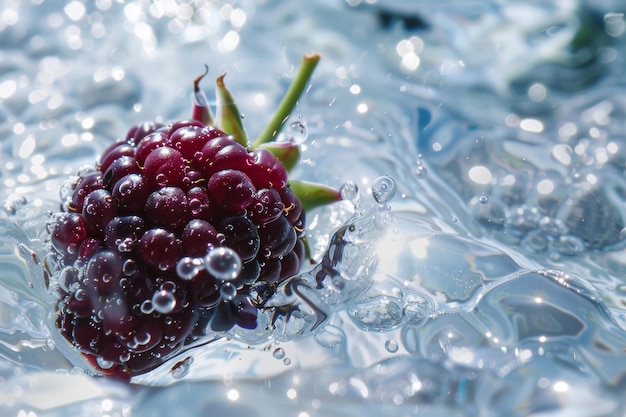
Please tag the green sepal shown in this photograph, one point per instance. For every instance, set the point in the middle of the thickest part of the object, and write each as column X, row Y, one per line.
column 228, row 115
column 312, row 194
column 200, row 105
column 287, row 152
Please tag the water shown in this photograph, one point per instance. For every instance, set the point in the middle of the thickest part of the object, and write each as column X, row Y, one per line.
column 477, row 264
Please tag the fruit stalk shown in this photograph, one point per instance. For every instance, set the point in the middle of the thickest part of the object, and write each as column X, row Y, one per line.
column 309, row 62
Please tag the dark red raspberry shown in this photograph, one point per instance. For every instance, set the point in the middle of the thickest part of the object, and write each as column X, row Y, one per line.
column 169, row 235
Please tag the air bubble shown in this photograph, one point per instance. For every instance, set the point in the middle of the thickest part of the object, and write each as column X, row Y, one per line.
column 350, row 192
column 161, row 179
column 80, row 294
column 126, row 188
column 103, row 363
column 163, row 301
column 415, row 312
column 223, row 263
column 483, row 199
column 391, row 346
column 298, row 131
column 147, row 307
column 383, row 189
column 287, row 361
column 228, row 291
column 129, row 267
column 71, row 249
column 279, row 353
column 187, row 268
column 142, row 338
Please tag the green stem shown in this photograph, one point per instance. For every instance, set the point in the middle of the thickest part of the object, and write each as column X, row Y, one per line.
column 309, row 62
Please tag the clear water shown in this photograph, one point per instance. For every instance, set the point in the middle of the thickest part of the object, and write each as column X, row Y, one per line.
column 491, row 283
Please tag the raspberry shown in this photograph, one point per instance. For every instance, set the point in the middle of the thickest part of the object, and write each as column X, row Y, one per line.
column 174, row 230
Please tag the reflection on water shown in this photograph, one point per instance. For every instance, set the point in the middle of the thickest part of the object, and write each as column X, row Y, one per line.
column 477, row 264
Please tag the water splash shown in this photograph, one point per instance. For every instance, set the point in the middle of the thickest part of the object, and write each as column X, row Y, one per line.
column 475, row 293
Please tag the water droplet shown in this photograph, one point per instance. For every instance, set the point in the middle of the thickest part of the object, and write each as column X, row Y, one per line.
column 147, row 307
column 187, row 267
column 279, row 353
column 129, row 267
column 126, row 187
column 223, row 263
column 377, row 314
column 163, row 301
column 161, row 179
column 287, row 361
column 383, row 189
column 195, row 205
column 168, row 286
column 350, row 192
column 421, row 171
column 391, row 346
column 91, row 209
column 483, row 199
column 181, row 369
column 415, row 311
column 228, row 291
column 298, row 131
column 80, row 294
column 142, row 338
column 103, row 363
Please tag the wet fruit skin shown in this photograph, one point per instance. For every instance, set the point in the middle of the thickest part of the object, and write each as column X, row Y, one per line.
column 164, row 193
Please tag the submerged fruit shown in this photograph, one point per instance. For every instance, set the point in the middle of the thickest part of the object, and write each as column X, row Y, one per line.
column 178, row 224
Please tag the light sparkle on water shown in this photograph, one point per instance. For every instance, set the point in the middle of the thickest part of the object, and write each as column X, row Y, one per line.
column 42, row 125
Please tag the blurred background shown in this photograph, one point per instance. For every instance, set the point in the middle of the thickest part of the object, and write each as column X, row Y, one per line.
column 501, row 121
